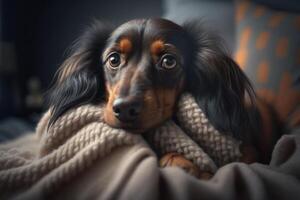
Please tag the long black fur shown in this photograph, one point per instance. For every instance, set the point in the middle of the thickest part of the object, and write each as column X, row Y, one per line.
column 218, row 84
column 86, row 84
column 212, row 77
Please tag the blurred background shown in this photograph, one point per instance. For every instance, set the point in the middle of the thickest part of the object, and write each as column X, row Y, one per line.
column 263, row 36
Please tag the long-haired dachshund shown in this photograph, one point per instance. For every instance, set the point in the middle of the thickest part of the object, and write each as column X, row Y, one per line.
column 141, row 68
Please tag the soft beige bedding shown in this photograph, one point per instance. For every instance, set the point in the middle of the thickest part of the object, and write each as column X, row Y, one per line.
column 83, row 158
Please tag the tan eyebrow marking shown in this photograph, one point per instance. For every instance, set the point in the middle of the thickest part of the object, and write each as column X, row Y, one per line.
column 157, row 47
column 125, row 45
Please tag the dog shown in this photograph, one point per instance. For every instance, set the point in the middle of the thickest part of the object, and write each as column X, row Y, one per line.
column 142, row 67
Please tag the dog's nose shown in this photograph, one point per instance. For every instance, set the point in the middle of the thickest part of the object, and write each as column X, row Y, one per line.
column 126, row 109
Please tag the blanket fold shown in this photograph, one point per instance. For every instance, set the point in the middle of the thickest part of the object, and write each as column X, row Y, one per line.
column 79, row 138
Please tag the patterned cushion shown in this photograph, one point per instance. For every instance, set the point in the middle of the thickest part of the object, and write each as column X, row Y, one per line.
column 268, row 49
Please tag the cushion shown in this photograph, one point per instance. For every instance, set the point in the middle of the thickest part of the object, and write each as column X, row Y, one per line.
column 268, row 49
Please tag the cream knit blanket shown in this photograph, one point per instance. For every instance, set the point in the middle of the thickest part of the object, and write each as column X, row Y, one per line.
column 80, row 137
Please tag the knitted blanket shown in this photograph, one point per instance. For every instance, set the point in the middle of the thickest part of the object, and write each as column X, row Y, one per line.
column 80, row 137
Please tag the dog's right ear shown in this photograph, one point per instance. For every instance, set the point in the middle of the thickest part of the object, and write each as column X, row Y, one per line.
column 80, row 79
column 218, row 84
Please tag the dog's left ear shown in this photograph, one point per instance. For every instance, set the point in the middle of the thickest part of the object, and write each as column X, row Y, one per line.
column 217, row 82
column 80, row 79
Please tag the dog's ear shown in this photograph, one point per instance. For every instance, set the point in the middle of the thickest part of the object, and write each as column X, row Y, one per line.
column 217, row 82
column 80, row 79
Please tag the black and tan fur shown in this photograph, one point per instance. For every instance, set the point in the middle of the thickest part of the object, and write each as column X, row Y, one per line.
column 148, row 91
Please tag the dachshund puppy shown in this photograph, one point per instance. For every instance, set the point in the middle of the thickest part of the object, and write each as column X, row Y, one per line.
column 141, row 68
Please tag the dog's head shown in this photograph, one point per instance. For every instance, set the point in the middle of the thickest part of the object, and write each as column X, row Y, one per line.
column 141, row 68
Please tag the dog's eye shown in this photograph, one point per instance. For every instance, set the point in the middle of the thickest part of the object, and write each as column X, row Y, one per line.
column 114, row 60
column 168, row 61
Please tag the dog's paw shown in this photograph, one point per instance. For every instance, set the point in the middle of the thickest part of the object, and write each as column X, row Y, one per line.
column 177, row 160
column 249, row 154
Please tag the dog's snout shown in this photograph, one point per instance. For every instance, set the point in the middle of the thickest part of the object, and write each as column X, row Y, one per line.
column 126, row 110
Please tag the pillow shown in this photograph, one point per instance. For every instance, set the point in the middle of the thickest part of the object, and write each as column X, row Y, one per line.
column 268, row 50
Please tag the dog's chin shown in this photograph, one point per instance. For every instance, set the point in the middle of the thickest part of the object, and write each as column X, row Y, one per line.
column 135, row 127
column 139, row 126
column 130, row 127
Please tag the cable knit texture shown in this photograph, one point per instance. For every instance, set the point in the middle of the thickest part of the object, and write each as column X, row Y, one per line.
column 80, row 137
